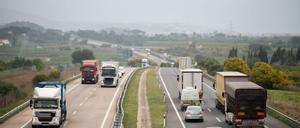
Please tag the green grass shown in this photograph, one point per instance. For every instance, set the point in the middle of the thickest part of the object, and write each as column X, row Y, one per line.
column 155, row 100
column 287, row 102
column 58, row 54
column 166, row 44
column 130, row 103
column 5, row 109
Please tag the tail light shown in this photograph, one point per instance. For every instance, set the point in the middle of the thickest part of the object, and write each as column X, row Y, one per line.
column 238, row 121
column 241, row 113
column 260, row 114
column 188, row 113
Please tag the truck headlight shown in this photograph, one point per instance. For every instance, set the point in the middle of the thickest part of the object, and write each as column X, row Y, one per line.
column 56, row 119
column 82, row 79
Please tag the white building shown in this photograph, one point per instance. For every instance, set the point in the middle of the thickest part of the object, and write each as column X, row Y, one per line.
column 4, row 42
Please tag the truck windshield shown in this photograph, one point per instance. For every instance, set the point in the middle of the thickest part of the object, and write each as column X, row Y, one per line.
column 45, row 104
column 108, row 72
column 87, row 69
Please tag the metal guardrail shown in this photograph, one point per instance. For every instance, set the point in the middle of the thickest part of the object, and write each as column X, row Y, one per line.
column 26, row 104
column 118, row 119
column 283, row 117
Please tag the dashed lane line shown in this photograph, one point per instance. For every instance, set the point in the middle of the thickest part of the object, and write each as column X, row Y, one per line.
column 218, row 119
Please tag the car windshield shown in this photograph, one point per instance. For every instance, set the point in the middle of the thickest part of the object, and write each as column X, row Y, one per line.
column 194, row 109
column 87, row 69
column 108, row 72
column 45, row 103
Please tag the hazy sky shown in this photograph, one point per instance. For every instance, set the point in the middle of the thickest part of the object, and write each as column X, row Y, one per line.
column 246, row 15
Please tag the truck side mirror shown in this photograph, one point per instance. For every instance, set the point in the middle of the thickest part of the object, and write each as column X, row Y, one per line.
column 177, row 77
column 30, row 103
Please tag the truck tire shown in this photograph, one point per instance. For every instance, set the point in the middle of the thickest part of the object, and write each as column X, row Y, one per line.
column 34, row 126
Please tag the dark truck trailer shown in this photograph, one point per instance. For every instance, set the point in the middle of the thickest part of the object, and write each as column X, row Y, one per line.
column 245, row 104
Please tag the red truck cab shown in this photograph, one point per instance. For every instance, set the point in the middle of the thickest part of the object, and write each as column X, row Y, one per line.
column 89, row 71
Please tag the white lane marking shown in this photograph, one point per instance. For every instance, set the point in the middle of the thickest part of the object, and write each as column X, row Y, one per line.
column 110, row 104
column 209, row 87
column 208, row 109
column 74, row 112
column 180, row 120
column 80, row 104
column 24, row 125
column 218, row 119
column 75, row 86
column 266, row 126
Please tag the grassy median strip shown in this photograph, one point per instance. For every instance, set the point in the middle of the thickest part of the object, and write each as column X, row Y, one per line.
column 130, row 103
column 155, row 100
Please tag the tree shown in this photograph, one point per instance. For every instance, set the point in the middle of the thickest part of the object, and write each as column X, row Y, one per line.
column 236, row 64
column 80, row 55
column 39, row 78
column 262, row 74
column 233, row 52
column 263, row 55
column 38, row 64
column 276, row 56
column 298, row 55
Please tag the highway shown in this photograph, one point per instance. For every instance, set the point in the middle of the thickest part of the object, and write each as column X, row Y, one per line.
column 88, row 105
column 212, row 116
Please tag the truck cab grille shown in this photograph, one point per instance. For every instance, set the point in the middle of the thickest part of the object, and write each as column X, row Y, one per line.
column 45, row 116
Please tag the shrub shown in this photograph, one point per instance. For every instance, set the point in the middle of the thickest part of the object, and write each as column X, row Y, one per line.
column 39, row 78
column 54, row 74
column 236, row 64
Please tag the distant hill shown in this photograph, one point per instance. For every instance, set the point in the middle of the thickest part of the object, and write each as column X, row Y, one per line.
column 24, row 24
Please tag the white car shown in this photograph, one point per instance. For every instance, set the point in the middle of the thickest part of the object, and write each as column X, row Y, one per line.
column 194, row 113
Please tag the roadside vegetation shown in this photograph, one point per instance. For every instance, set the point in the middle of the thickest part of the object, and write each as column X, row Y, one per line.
column 155, row 100
column 130, row 103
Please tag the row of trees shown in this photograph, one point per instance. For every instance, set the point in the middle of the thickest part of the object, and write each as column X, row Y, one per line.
column 285, row 57
column 281, row 56
column 21, row 62
column 261, row 73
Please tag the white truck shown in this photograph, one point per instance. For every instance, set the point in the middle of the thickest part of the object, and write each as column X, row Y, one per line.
column 184, row 62
column 48, row 104
column 110, row 73
column 144, row 63
column 190, row 87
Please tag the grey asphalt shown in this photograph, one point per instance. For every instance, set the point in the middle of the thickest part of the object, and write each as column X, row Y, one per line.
column 212, row 116
column 88, row 105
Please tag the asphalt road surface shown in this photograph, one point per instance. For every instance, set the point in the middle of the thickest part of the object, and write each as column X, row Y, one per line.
column 212, row 116
column 88, row 106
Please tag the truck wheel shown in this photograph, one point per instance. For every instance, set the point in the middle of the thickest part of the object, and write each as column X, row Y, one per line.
column 34, row 126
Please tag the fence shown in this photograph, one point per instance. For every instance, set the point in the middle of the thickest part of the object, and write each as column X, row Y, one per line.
column 118, row 119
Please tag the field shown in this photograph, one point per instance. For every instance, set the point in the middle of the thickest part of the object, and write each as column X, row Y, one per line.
column 130, row 103
column 155, row 100
column 287, row 102
column 57, row 54
column 217, row 50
